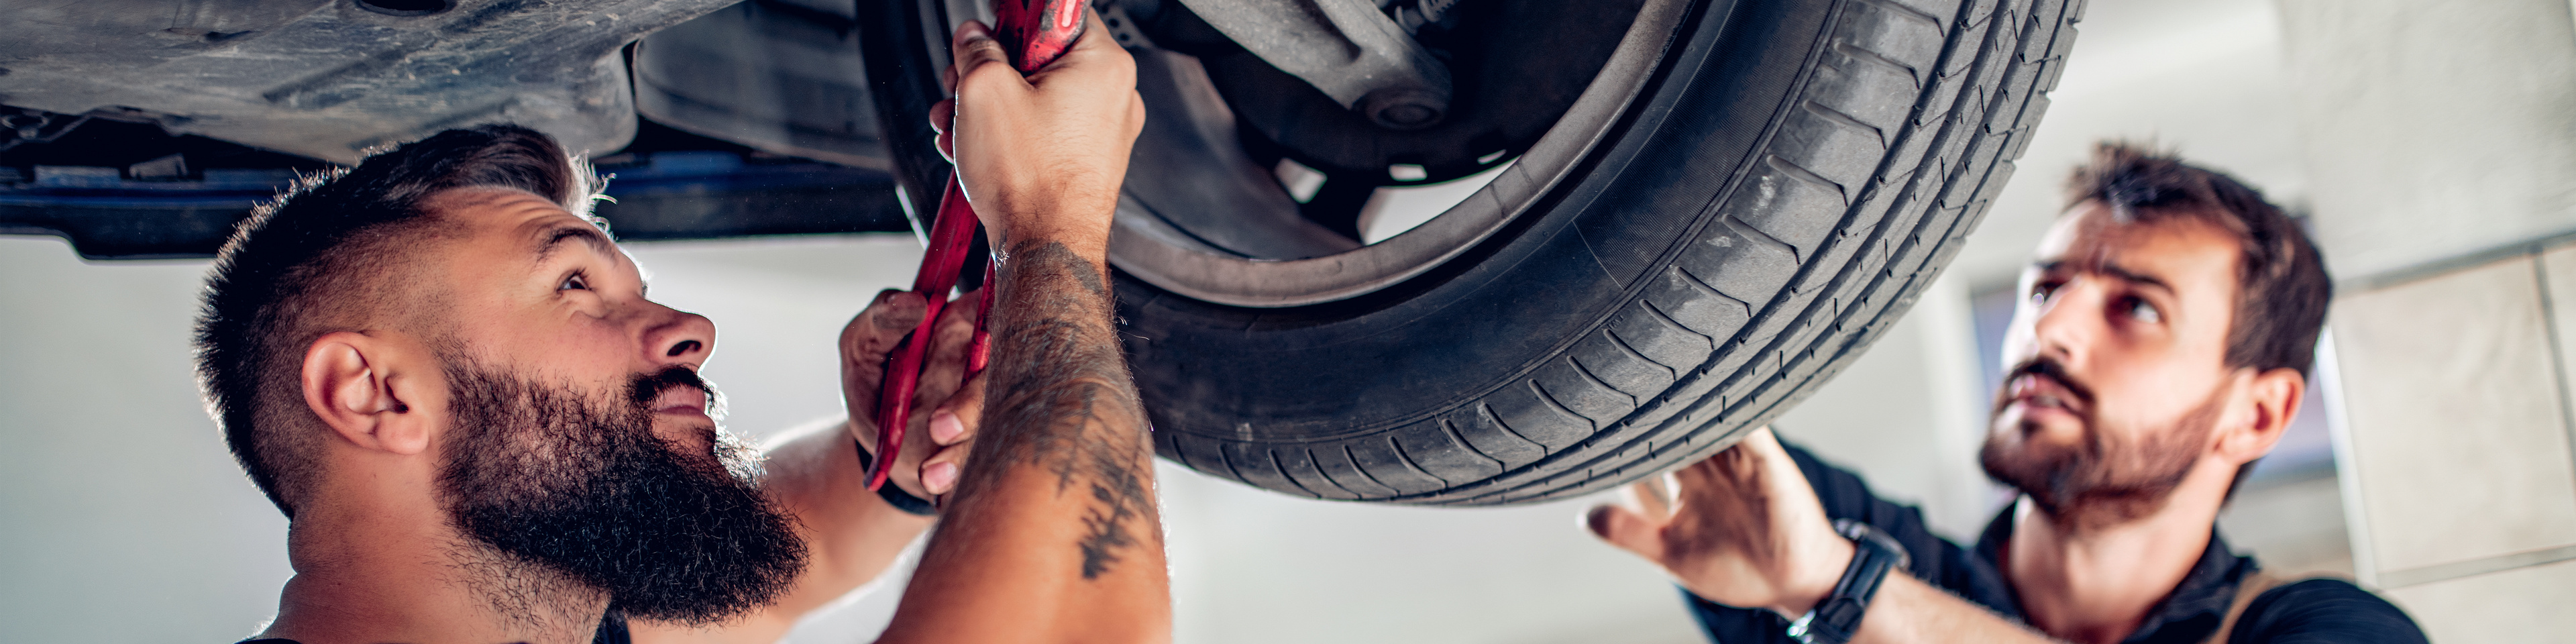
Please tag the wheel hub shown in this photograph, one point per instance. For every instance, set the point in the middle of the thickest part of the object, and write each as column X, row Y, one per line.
column 1204, row 215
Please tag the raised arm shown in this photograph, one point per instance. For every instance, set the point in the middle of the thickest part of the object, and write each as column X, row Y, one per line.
column 1052, row 533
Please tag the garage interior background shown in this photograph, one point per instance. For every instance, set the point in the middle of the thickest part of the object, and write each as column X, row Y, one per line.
column 2435, row 149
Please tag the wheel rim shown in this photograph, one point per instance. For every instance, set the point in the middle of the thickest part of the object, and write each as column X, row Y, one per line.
column 1200, row 217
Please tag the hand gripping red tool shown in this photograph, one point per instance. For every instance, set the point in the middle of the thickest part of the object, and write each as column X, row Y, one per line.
column 1035, row 32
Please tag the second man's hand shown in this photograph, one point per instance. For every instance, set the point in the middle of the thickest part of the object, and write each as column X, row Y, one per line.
column 1744, row 529
column 1741, row 529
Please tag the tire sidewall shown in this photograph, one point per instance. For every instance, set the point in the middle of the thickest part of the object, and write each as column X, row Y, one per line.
column 1491, row 317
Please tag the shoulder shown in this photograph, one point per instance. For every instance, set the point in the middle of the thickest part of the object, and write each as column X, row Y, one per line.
column 2323, row 610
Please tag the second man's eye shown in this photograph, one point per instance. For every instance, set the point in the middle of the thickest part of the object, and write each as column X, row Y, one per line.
column 574, row 282
column 2144, row 311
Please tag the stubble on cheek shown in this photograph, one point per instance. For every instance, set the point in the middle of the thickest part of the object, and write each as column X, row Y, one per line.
column 2101, row 474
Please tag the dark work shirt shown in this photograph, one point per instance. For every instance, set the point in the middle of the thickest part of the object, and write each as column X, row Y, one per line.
column 2310, row 611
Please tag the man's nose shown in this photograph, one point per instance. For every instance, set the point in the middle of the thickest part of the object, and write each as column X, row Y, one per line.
column 678, row 337
column 2068, row 322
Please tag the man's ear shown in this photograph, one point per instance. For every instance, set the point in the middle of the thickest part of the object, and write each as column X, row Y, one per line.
column 360, row 386
column 2272, row 400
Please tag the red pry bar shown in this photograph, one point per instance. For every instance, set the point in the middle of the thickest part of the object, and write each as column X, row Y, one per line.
column 1036, row 32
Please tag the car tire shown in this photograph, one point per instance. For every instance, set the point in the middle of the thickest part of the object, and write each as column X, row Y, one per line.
column 1792, row 175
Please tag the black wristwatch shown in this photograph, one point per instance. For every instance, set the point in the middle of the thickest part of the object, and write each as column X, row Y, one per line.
column 1834, row 620
column 894, row 494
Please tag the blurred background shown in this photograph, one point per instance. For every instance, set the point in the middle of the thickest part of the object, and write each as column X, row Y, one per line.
column 2431, row 146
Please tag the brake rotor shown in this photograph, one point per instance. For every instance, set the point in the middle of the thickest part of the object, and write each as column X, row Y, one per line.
column 1517, row 65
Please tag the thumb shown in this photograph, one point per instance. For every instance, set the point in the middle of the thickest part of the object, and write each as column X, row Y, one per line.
column 877, row 329
column 943, row 120
column 972, row 47
column 1628, row 530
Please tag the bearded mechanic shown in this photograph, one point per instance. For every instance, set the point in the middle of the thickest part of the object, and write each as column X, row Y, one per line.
column 482, row 430
column 2162, row 345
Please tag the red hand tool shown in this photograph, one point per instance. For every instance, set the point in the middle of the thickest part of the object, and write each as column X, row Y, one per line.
column 1035, row 32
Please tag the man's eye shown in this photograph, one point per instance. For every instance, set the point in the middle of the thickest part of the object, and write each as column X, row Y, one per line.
column 2143, row 311
column 575, row 282
column 2039, row 292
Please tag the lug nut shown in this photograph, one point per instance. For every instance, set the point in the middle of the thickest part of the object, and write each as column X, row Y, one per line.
column 1403, row 109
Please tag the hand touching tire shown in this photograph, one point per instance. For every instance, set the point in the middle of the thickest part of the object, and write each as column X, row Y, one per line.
column 1741, row 529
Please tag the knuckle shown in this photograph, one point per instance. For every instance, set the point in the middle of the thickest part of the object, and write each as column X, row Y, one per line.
column 981, row 48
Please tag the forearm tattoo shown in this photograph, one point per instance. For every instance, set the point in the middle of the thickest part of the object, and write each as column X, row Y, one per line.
column 1064, row 403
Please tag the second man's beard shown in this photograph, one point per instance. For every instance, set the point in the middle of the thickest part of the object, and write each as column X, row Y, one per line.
column 585, row 488
column 2111, row 476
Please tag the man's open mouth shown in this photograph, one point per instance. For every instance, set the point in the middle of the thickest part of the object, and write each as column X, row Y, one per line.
column 2043, row 391
column 682, row 400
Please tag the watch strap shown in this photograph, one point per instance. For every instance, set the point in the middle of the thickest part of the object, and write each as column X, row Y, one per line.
column 894, row 494
column 1837, row 618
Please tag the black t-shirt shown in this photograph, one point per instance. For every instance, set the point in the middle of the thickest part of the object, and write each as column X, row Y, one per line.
column 2304, row 612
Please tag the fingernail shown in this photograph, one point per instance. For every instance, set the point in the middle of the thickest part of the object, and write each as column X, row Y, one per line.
column 1598, row 521
column 938, row 477
column 903, row 311
column 945, row 428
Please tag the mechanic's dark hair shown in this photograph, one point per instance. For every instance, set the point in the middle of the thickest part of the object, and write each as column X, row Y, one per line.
column 312, row 262
column 2282, row 287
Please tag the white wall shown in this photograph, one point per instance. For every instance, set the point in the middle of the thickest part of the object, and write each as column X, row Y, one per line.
column 2463, row 475
column 2441, row 141
column 121, row 517
column 2443, row 150
column 2433, row 130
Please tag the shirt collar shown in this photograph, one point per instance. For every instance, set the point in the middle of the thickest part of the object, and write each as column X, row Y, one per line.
column 2191, row 613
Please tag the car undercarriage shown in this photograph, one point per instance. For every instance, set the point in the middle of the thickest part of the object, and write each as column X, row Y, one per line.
column 1419, row 251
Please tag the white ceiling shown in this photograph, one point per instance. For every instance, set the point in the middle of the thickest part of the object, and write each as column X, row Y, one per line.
column 2201, row 77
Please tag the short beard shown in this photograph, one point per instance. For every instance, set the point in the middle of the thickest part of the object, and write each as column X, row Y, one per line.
column 547, row 476
column 2107, row 480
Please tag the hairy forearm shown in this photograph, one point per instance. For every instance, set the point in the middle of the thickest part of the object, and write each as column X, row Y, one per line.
column 1907, row 610
column 1052, row 534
